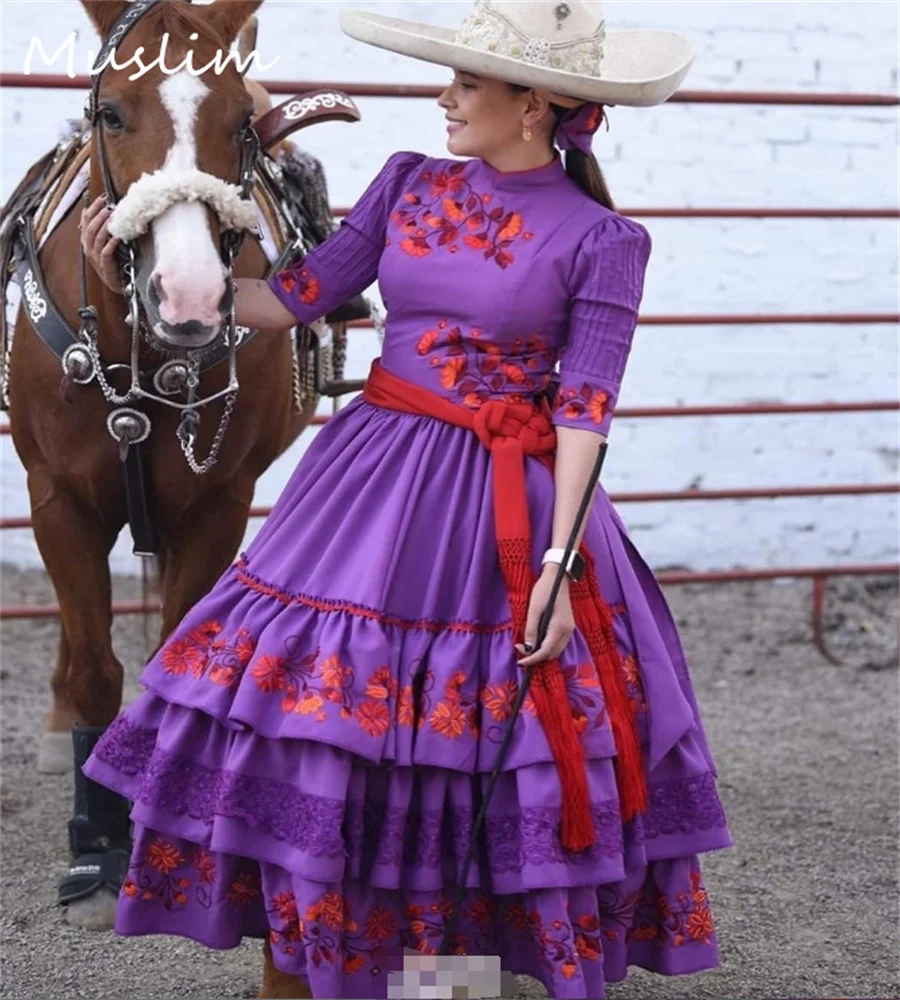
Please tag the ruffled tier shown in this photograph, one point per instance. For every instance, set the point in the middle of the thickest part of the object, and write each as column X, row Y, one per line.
column 316, row 736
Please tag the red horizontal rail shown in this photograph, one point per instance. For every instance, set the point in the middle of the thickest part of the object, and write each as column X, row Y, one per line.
column 62, row 82
column 29, row 612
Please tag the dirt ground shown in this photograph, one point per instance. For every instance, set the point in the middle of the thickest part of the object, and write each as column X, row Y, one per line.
column 806, row 903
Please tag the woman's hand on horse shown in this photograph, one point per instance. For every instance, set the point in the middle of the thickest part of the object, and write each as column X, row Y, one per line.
column 99, row 247
column 562, row 624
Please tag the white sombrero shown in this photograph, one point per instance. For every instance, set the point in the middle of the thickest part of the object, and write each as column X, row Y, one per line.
column 560, row 47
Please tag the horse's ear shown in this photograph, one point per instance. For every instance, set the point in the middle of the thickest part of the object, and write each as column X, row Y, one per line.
column 229, row 16
column 104, row 13
column 246, row 42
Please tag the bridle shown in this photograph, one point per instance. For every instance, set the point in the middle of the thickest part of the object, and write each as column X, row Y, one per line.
column 82, row 362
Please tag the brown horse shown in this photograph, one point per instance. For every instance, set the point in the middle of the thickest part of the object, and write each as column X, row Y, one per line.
column 157, row 122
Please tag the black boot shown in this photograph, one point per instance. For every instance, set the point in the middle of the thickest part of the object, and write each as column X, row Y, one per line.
column 99, row 831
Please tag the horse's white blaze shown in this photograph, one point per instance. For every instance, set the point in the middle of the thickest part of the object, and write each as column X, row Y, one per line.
column 188, row 267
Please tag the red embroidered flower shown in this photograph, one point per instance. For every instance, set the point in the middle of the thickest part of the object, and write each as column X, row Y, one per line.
column 374, row 717
column 578, row 402
column 301, row 281
column 164, row 857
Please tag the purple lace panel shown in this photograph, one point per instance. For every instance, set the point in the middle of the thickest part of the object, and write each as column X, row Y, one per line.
column 181, row 787
column 390, row 836
column 683, row 805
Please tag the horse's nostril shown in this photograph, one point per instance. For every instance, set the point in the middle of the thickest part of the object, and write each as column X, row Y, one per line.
column 156, row 281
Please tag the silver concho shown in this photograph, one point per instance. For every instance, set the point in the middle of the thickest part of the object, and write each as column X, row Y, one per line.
column 128, row 426
column 171, row 378
column 78, row 364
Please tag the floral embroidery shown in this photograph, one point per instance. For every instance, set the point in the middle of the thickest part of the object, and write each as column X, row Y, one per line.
column 649, row 915
column 301, row 281
column 478, row 369
column 204, row 652
column 560, row 944
column 458, row 215
column 308, row 687
column 328, row 933
column 580, row 402
column 166, row 875
column 245, row 889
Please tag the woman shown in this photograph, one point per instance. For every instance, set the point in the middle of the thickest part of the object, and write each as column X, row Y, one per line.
column 315, row 737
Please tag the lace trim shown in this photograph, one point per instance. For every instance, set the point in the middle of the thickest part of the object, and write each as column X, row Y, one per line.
column 683, row 805
column 253, row 582
column 374, row 832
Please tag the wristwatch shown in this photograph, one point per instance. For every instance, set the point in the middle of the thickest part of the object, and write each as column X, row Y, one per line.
column 575, row 569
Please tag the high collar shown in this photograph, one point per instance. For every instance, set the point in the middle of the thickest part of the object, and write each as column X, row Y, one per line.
column 518, row 180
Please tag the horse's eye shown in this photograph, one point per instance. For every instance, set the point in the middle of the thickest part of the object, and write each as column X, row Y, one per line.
column 111, row 119
column 245, row 124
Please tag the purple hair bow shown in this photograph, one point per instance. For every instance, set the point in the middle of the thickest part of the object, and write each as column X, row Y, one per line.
column 576, row 128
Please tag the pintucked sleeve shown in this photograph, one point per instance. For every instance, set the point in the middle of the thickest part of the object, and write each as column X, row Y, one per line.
column 346, row 263
column 607, row 286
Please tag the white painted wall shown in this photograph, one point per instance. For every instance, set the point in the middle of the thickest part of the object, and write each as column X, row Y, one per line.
column 675, row 155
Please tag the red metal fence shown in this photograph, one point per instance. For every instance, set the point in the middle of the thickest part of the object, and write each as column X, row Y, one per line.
column 819, row 574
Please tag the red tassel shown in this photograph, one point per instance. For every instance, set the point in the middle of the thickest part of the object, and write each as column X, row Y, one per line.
column 548, row 690
column 594, row 620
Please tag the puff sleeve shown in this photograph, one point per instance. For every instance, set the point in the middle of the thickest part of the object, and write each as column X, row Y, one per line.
column 607, row 285
column 347, row 262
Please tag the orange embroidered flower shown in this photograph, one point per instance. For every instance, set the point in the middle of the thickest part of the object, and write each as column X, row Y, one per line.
column 285, row 904
column 415, row 246
column 449, row 720
column 206, row 867
column 498, row 699
column 329, row 910
column 450, row 372
column 587, row 949
column 164, row 857
column 646, row 932
column 406, row 714
column 354, row 963
column 309, row 704
column 597, row 406
column 374, row 717
column 481, row 911
column 381, row 685
column 427, row 341
column 700, row 924
column 514, row 373
column 244, row 889
column 511, row 227
column 129, row 888
column 182, row 656
column 380, row 925
column 270, row 674
column 568, row 969
column 332, row 672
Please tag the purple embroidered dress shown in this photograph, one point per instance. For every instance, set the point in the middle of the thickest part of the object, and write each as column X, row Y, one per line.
column 308, row 755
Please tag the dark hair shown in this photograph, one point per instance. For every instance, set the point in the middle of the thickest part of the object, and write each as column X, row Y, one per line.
column 583, row 169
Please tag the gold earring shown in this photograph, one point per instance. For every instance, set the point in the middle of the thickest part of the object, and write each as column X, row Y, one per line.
column 526, row 133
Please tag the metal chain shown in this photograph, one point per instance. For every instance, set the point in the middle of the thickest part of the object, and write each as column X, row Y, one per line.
column 187, row 441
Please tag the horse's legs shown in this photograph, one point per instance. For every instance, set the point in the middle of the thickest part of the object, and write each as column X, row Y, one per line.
column 75, row 544
column 277, row 985
column 55, row 753
column 196, row 557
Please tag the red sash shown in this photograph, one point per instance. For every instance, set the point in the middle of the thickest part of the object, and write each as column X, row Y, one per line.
column 510, row 431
